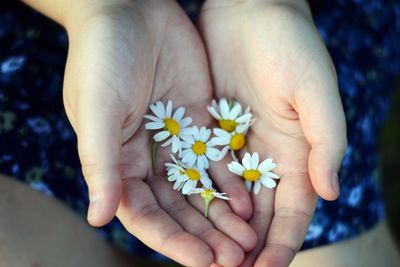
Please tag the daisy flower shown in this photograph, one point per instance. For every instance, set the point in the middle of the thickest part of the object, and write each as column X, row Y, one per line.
column 253, row 171
column 186, row 178
column 231, row 141
column 172, row 125
column 197, row 149
column 208, row 195
column 229, row 115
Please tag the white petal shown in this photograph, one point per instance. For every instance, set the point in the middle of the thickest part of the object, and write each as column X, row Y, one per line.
column 244, row 118
column 182, row 178
column 189, row 185
column 272, row 175
column 246, row 161
column 176, row 144
column 242, row 128
column 214, row 104
column 224, row 108
column 254, row 161
column 221, row 196
column 186, row 152
column 168, row 109
column 186, row 145
column 185, row 122
column 212, row 153
column 200, row 163
column 187, row 157
column 175, row 160
column 266, row 165
column 257, row 186
column 236, row 168
column 167, row 143
column 235, row 111
column 206, row 182
column 172, row 178
column 153, row 118
column 204, row 134
column 176, row 185
column 220, row 141
column 192, row 161
column 158, row 109
column 187, row 138
column 187, row 131
column 158, row 137
column 214, row 113
column 248, row 185
column 205, row 162
column 172, row 172
column 222, row 133
column 223, row 153
column 178, row 114
column 268, row 182
column 196, row 191
column 154, row 125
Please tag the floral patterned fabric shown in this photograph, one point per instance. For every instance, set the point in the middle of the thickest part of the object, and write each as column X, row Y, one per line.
column 38, row 145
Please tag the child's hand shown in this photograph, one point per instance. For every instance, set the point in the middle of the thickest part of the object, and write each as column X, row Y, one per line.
column 270, row 57
column 123, row 57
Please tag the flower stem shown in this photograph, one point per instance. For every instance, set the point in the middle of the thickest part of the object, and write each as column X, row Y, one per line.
column 154, row 157
column 206, row 208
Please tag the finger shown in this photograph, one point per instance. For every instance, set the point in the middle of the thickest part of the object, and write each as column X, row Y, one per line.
column 222, row 217
column 226, row 251
column 98, row 130
column 141, row 215
column 233, row 186
column 260, row 222
column 294, row 205
column 323, row 122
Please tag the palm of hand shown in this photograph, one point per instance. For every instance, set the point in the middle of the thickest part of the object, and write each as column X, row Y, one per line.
column 157, row 58
column 273, row 62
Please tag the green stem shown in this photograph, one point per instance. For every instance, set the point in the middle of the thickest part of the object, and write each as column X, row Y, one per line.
column 207, row 205
column 154, row 156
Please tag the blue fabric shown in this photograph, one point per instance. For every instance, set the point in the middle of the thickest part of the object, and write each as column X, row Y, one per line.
column 38, row 146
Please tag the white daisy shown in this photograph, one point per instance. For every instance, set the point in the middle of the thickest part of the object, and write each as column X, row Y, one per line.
column 231, row 141
column 197, row 149
column 252, row 171
column 229, row 114
column 174, row 126
column 186, row 178
column 208, row 195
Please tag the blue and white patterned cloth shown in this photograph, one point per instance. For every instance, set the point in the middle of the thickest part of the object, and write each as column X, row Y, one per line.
column 38, row 145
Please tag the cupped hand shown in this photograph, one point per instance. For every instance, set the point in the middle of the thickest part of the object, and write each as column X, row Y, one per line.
column 123, row 56
column 270, row 57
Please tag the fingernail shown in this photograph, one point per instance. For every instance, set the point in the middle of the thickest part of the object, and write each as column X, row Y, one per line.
column 94, row 209
column 335, row 183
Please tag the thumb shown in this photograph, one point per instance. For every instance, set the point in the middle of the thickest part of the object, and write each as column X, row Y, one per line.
column 323, row 122
column 99, row 127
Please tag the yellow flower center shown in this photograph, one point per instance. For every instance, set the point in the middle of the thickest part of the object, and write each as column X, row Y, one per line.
column 199, row 148
column 237, row 141
column 193, row 174
column 207, row 194
column 251, row 175
column 172, row 126
column 227, row 125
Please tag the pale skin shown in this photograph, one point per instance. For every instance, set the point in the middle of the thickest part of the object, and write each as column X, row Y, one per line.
column 124, row 55
column 267, row 54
